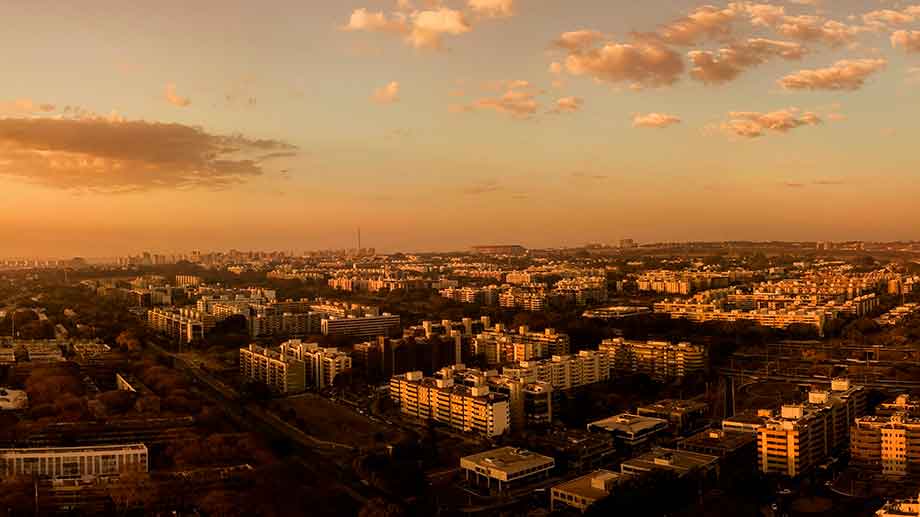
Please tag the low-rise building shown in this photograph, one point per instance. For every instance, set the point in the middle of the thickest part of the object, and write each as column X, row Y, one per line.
column 631, row 431
column 582, row 492
column 678, row 462
column 508, row 467
column 73, row 462
column 901, row 508
column 683, row 416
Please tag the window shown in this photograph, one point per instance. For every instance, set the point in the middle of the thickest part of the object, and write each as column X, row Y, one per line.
column 71, row 468
column 109, row 465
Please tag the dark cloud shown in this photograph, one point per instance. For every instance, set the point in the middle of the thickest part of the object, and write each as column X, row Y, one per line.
column 110, row 155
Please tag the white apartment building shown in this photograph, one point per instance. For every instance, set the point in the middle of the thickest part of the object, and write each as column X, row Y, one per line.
column 658, row 359
column 564, row 372
column 366, row 326
column 473, row 409
column 502, row 346
column 281, row 373
column 322, row 365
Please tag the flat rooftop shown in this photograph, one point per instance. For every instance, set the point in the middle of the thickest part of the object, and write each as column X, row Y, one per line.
column 590, row 485
column 627, row 423
column 675, row 406
column 677, row 461
column 719, row 439
column 508, row 460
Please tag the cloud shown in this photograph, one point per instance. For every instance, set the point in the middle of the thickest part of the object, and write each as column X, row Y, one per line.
column 908, row 40
column 578, row 40
column 810, row 28
column 492, row 8
column 429, row 27
column 845, row 74
column 419, row 29
column 730, row 62
column 387, row 94
column 567, row 105
column 556, row 68
column 752, row 124
column 888, row 18
column 816, row 28
column 793, row 184
column 643, row 65
column 174, row 98
column 706, row 22
column 364, row 20
column 25, row 107
column 518, row 104
column 111, row 155
column 654, row 120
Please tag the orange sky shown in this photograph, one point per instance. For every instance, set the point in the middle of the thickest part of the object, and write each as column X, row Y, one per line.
column 442, row 124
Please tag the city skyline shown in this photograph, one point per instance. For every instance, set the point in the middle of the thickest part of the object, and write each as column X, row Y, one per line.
column 438, row 125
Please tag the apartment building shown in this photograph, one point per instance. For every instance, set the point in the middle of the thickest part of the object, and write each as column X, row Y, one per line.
column 361, row 326
column 658, row 359
column 804, row 435
column 530, row 401
column 888, row 442
column 502, row 346
column 185, row 325
column 523, row 298
column 473, row 409
column 282, row 373
column 73, row 462
column 322, row 365
column 564, row 372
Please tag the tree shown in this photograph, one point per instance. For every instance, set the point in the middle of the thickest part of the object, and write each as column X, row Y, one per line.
column 128, row 341
column 379, row 507
column 131, row 490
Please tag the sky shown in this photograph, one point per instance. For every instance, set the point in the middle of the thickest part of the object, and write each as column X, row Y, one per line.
column 441, row 124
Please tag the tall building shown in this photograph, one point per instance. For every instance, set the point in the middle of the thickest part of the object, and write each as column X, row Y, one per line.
column 322, row 365
column 889, row 441
column 186, row 325
column 499, row 345
column 280, row 372
column 564, row 372
column 473, row 409
column 658, row 359
column 804, row 435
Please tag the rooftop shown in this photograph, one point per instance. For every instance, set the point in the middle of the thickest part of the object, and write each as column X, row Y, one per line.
column 627, row 423
column 595, row 485
column 719, row 439
column 680, row 462
column 507, row 459
column 675, row 406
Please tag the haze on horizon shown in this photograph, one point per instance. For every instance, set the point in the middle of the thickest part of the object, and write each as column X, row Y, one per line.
column 440, row 124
